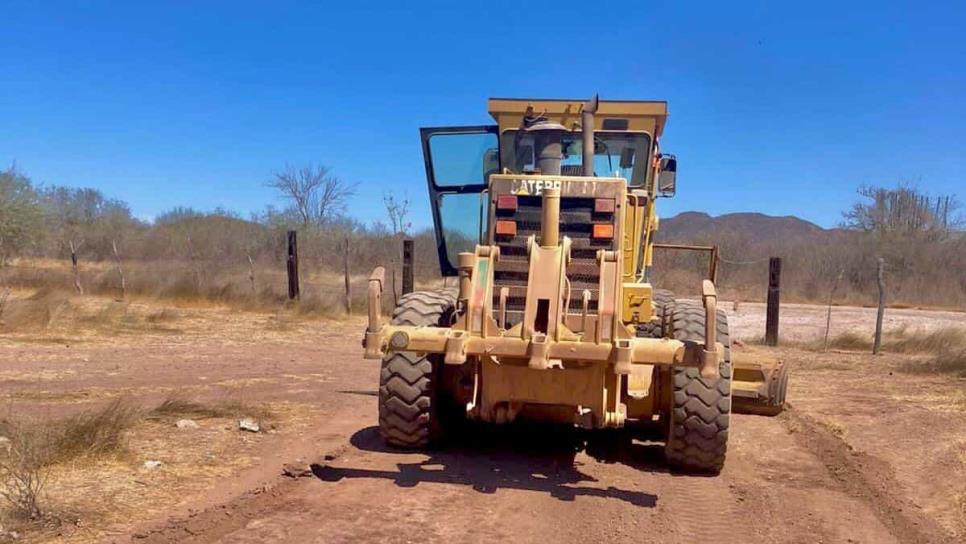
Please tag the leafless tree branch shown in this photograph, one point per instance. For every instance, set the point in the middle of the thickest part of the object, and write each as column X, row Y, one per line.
column 316, row 195
column 398, row 210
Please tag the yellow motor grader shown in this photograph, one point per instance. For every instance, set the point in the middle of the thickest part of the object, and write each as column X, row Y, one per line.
column 548, row 218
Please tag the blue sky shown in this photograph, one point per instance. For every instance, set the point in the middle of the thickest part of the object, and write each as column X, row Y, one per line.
column 782, row 108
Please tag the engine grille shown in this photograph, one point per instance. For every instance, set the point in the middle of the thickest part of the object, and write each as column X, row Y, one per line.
column 577, row 218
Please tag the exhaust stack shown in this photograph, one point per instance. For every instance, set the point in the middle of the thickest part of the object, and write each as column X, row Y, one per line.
column 587, row 125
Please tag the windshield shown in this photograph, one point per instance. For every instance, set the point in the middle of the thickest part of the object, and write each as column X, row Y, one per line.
column 616, row 154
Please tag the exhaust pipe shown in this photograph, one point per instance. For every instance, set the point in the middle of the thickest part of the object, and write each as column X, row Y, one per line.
column 550, row 219
column 547, row 146
column 587, row 125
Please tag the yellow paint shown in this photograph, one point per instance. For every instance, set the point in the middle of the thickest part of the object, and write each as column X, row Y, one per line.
column 636, row 303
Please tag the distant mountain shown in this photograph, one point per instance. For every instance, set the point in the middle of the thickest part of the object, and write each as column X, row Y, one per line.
column 752, row 227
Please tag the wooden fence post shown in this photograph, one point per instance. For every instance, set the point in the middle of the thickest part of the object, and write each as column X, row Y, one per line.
column 120, row 272
column 828, row 314
column 292, row 265
column 880, row 280
column 73, row 266
column 774, row 291
column 407, row 270
column 348, row 283
column 251, row 274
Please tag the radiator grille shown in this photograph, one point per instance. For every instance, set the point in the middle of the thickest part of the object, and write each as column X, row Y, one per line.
column 577, row 218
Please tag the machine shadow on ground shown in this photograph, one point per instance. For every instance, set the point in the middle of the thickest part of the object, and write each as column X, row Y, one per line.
column 521, row 457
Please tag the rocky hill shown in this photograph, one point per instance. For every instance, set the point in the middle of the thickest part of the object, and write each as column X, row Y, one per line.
column 748, row 226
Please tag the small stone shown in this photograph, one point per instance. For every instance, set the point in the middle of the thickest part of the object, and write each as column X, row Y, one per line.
column 152, row 464
column 5, row 444
column 295, row 470
column 249, row 424
column 186, row 424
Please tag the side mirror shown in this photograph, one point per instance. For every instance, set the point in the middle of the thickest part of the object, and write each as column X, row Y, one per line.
column 666, row 179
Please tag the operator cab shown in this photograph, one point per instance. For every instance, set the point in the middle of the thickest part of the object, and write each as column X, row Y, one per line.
column 460, row 160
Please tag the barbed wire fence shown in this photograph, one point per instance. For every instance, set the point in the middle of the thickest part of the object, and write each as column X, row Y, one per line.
column 881, row 271
column 118, row 278
column 407, row 269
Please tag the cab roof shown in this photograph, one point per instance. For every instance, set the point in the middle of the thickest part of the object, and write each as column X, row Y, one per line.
column 628, row 115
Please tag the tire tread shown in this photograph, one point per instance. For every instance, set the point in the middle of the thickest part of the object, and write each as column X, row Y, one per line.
column 701, row 407
column 407, row 380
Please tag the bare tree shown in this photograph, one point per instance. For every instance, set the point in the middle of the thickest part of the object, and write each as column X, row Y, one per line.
column 903, row 211
column 316, row 194
column 397, row 209
column 332, row 197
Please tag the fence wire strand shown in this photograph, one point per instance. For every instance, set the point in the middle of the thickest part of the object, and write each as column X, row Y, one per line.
column 756, row 261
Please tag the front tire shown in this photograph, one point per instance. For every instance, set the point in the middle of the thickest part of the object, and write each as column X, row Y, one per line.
column 700, row 407
column 410, row 383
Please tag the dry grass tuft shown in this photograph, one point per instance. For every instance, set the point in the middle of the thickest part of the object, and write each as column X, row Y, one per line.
column 946, row 347
column 847, row 341
column 936, row 341
column 23, row 470
column 182, row 283
column 93, row 434
column 34, row 312
column 947, row 362
column 33, row 447
column 163, row 315
column 178, row 407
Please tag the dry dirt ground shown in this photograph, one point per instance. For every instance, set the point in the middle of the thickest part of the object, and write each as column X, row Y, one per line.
column 867, row 453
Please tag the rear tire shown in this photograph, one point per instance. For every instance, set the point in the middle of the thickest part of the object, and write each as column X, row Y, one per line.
column 663, row 300
column 409, row 383
column 700, row 407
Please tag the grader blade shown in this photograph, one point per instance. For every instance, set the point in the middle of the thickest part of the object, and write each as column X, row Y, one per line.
column 759, row 384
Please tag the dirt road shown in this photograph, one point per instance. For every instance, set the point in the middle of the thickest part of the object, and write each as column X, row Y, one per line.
column 779, row 486
column 787, row 480
column 794, row 478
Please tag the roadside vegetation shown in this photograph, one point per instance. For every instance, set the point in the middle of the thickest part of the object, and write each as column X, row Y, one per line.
column 32, row 451
column 921, row 239
column 219, row 256
column 31, row 448
column 202, row 256
column 944, row 348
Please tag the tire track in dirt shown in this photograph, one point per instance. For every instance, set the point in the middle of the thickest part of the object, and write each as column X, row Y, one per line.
column 865, row 478
column 435, row 506
column 703, row 510
column 788, row 479
column 211, row 524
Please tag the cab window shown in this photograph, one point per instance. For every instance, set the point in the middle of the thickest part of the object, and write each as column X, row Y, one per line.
column 620, row 154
